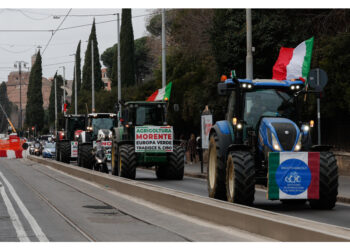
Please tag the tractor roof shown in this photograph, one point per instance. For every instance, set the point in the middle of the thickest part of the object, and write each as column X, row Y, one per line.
column 268, row 83
column 102, row 115
column 72, row 115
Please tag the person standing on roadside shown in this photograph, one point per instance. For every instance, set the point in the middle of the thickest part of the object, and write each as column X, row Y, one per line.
column 192, row 147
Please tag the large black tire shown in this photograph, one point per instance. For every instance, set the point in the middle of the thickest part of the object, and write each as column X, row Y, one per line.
column 65, row 151
column 114, row 160
column 174, row 168
column 87, row 158
column 79, row 156
column 216, row 177
column 127, row 162
column 328, row 182
column 240, row 178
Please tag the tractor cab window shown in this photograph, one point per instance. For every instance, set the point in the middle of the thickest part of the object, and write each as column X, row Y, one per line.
column 231, row 104
column 74, row 124
column 149, row 115
column 102, row 123
column 267, row 103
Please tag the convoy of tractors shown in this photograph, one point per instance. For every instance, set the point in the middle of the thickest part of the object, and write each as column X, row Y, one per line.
column 263, row 140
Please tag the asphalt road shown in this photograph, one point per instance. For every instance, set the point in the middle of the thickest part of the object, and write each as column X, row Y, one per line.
column 338, row 216
column 38, row 203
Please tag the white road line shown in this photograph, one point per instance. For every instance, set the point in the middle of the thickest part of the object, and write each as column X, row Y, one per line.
column 21, row 234
column 32, row 222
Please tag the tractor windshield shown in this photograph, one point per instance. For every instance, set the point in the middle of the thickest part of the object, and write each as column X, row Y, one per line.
column 149, row 115
column 102, row 123
column 75, row 123
column 267, row 103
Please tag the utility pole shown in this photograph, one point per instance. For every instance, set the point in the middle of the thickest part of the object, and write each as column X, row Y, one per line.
column 249, row 58
column 64, row 86
column 163, row 50
column 119, row 77
column 19, row 65
column 56, row 104
column 92, row 76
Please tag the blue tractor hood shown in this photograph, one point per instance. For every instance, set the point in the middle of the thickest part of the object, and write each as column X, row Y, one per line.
column 278, row 131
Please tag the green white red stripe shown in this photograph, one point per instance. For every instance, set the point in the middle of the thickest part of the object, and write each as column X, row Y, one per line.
column 293, row 175
column 162, row 94
column 294, row 63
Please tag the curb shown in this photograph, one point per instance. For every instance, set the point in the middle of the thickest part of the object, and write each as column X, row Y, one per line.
column 265, row 223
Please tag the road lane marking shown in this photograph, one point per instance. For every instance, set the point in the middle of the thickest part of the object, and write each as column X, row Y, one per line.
column 32, row 222
column 21, row 234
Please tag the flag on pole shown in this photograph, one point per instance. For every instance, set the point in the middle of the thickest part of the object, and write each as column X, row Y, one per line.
column 294, row 63
column 162, row 94
column 293, row 175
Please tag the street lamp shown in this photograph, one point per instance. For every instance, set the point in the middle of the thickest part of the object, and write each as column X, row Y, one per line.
column 19, row 64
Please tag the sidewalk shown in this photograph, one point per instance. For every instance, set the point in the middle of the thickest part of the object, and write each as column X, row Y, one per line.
column 194, row 170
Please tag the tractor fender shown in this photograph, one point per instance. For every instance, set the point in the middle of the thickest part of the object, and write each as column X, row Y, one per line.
column 224, row 133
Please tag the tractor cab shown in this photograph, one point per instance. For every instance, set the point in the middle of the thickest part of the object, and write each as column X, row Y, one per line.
column 101, row 123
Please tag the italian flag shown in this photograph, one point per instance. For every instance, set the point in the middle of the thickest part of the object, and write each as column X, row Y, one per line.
column 294, row 63
column 293, row 175
column 162, row 94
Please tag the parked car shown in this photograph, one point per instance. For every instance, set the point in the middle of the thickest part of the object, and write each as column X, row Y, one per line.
column 49, row 150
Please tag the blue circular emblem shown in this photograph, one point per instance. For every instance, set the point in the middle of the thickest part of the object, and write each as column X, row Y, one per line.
column 293, row 176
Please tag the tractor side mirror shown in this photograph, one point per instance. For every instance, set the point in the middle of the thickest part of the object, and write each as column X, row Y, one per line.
column 223, row 89
column 116, row 108
column 176, row 107
column 25, row 146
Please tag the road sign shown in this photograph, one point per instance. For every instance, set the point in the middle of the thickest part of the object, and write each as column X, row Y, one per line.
column 318, row 79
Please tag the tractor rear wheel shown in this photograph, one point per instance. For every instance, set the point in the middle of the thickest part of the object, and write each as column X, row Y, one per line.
column 86, row 155
column 174, row 168
column 240, row 178
column 216, row 170
column 328, row 182
column 127, row 162
column 65, row 151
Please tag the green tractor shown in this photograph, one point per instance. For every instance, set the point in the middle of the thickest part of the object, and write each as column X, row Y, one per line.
column 98, row 133
column 144, row 138
column 67, row 140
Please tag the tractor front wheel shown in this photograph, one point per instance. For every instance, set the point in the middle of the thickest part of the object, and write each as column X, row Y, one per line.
column 240, row 178
column 216, row 170
column 87, row 158
column 127, row 162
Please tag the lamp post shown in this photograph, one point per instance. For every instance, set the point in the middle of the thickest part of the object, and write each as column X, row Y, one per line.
column 19, row 64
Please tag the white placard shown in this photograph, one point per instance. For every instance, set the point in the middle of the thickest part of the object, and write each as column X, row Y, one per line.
column 207, row 123
column 154, row 139
column 74, row 149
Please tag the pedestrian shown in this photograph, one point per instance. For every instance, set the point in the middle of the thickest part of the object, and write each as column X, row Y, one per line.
column 183, row 144
column 192, row 146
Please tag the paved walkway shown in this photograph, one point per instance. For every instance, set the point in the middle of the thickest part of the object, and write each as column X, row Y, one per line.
column 194, row 170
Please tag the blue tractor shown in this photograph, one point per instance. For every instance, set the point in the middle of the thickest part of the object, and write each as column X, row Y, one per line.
column 263, row 118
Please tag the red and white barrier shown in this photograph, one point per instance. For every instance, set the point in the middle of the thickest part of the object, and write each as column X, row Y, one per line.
column 12, row 154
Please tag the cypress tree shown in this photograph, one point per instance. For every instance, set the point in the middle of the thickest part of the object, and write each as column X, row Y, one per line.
column 77, row 63
column 127, row 49
column 86, row 84
column 34, row 108
column 5, row 102
column 51, row 108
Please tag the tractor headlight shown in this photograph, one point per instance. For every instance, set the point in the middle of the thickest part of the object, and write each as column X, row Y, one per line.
column 110, row 135
column 239, row 126
column 305, row 128
column 298, row 146
column 275, row 144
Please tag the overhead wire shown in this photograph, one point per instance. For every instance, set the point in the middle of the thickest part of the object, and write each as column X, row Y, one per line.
column 56, row 30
